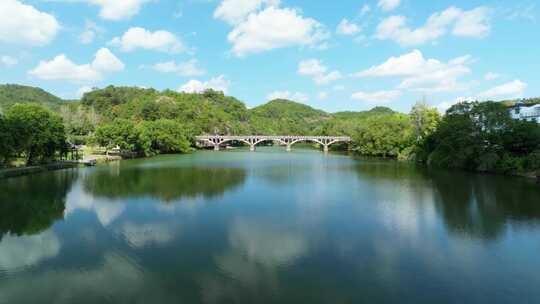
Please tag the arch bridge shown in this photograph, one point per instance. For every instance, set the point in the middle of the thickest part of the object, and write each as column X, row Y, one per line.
column 288, row 141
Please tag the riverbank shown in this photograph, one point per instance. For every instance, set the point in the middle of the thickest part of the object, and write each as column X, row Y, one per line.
column 22, row 171
column 60, row 165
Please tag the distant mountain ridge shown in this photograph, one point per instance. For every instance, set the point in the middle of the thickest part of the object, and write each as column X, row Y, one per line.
column 11, row 94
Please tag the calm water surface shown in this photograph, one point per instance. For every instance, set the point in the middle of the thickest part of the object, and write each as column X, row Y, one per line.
column 268, row 227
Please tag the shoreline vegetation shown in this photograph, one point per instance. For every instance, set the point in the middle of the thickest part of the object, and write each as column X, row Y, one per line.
column 39, row 129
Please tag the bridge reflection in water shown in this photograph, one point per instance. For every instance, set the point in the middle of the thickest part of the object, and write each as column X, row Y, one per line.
column 218, row 140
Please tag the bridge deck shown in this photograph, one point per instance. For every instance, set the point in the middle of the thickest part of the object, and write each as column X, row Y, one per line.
column 288, row 140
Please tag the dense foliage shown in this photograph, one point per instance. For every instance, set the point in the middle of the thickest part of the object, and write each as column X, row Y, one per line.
column 79, row 121
column 107, row 100
column 347, row 123
column 208, row 112
column 385, row 135
column 146, row 138
column 36, row 134
column 483, row 137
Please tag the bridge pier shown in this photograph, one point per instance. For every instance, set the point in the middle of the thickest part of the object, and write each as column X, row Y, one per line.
column 325, row 148
column 216, row 147
column 289, row 148
column 252, row 148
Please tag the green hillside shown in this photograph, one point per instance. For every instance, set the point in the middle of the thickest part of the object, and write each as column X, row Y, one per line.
column 209, row 112
column 11, row 94
column 347, row 123
column 286, row 117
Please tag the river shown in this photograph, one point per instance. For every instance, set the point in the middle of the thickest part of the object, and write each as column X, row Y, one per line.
column 268, row 227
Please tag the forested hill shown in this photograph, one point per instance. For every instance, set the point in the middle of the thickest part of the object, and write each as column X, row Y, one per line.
column 13, row 93
column 213, row 112
column 209, row 112
column 286, row 117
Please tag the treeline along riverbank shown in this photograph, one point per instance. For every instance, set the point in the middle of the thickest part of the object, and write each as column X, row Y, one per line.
column 479, row 136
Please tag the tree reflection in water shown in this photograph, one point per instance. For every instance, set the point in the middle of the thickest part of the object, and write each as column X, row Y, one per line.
column 469, row 204
column 482, row 206
column 167, row 184
column 31, row 204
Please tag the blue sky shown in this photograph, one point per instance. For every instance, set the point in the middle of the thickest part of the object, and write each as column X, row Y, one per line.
column 348, row 56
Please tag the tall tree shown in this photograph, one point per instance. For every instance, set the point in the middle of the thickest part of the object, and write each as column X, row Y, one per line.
column 6, row 142
column 38, row 134
column 425, row 119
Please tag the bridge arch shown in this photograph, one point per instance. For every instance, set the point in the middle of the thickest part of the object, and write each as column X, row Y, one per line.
column 235, row 139
column 307, row 140
column 268, row 139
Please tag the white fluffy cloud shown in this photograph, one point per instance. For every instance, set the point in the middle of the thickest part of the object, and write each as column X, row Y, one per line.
column 512, row 89
column 296, row 96
column 235, row 11
column 473, row 23
column 195, row 86
column 91, row 30
column 118, row 9
column 8, row 61
column 187, row 68
column 379, row 97
column 275, row 28
column 140, row 38
column 23, row 24
column 105, row 61
column 491, row 76
column 443, row 106
column 318, row 71
column 388, row 5
column 62, row 68
column 420, row 74
column 345, row 27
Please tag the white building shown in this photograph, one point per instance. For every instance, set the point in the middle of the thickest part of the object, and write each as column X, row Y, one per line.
column 523, row 112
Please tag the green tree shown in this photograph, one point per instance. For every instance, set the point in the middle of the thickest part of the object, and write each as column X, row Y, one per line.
column 6, row 142
column 163, row 136
column 38, row 134
column 80, row 121
column 482, row 136
column 385, row 135
column 455, row 144
column 425, row 120
column 120, row 132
